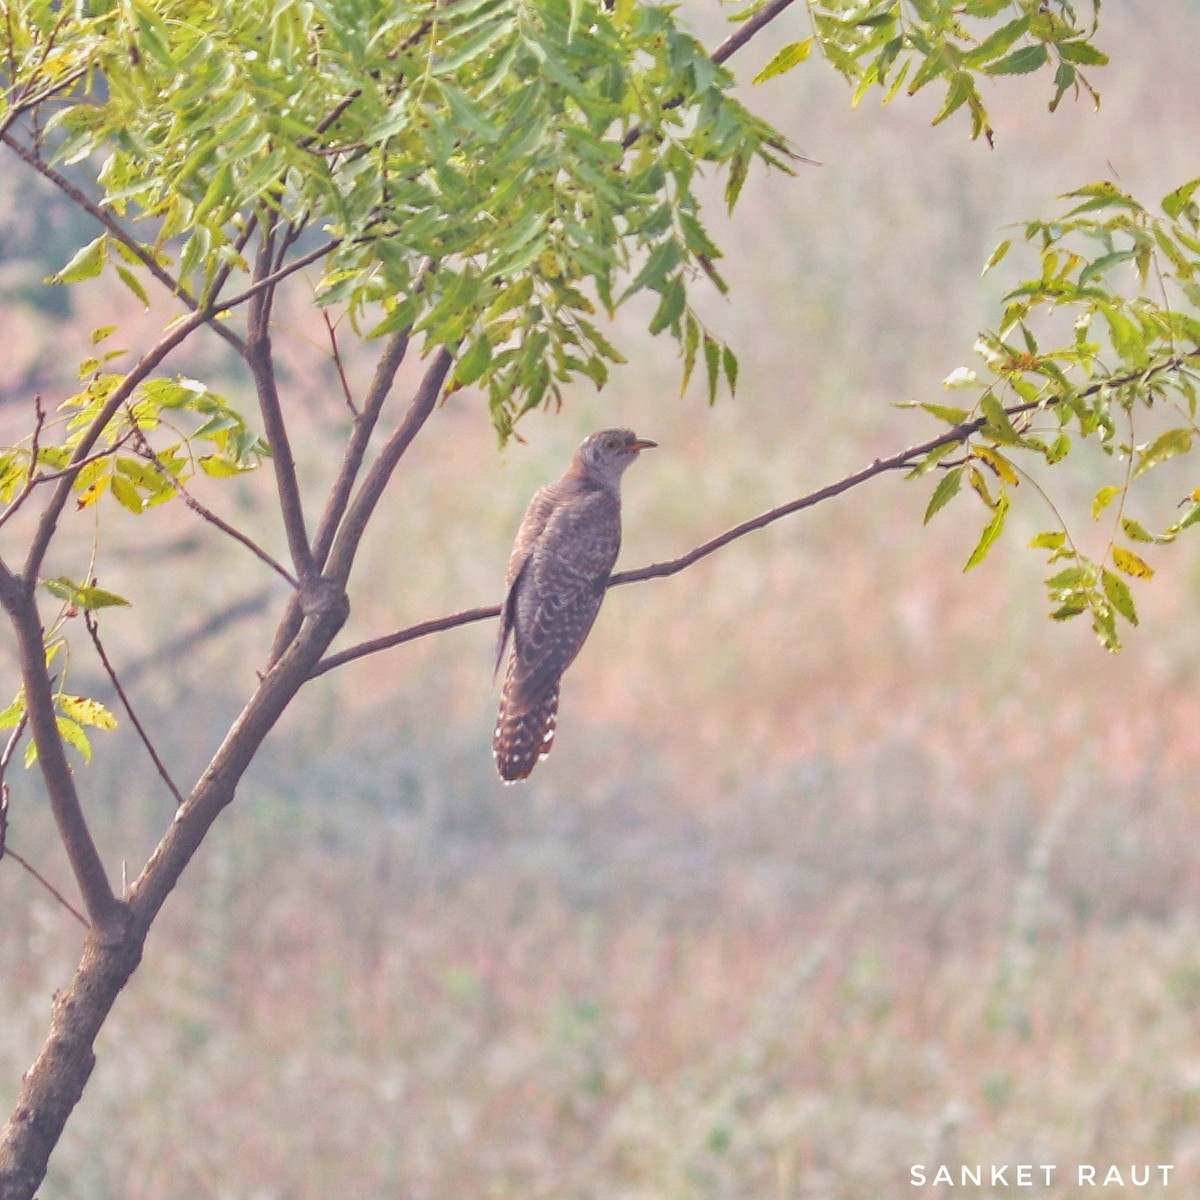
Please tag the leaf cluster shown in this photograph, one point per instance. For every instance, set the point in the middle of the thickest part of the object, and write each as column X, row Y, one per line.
column 493, row 175
column 1124, row 282
column 907, row 45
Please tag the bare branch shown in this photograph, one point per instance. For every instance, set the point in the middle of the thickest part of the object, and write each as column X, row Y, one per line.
column 351, row 529
column 744, row 32
column 7, row 851
column 904, row 459
column 93, row 628
column 147, row 452
column 16, row 595
column 365, row 422
column 424, row 629
column 347, row 395
column 262, row 366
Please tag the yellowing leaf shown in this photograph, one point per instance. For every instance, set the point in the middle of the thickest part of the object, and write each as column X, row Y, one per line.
column 998, row 463
column 1119, row 596
column 73, row 735
column 1132, row 564
column 1103, row 498
column 87, row 711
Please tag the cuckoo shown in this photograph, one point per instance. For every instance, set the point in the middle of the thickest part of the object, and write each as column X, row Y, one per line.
column 557, row 574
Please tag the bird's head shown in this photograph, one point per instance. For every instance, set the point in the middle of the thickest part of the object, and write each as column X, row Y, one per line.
column 606, row 454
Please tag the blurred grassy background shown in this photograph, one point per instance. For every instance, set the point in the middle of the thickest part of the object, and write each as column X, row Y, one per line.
column 844, row 861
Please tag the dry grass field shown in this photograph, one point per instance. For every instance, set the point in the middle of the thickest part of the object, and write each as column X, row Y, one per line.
column 844, row 862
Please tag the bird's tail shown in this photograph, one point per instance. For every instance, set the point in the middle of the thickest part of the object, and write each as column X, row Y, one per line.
column 524, row 731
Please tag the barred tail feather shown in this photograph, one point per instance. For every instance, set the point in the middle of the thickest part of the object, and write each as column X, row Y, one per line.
column 524, row 732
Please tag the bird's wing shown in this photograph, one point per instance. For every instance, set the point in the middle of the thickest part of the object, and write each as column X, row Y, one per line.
column 559, row 588
column 533, row 525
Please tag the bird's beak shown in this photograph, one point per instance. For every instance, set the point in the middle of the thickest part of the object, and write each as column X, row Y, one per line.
column 642, row 444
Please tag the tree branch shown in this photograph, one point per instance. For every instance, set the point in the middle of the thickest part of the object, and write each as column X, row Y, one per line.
column 277, row 276
column 93, row 628
column 365, row 420
column 905, row 458
column 17, row 598
column 206, row 514
column 736, row 40
column 902, row 460
column 358, row 513
column 262, row 367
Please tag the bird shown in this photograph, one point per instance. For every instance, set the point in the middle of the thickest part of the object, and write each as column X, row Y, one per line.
column 557, row 575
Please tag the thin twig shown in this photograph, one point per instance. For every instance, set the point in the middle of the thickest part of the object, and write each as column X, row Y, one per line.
column 267, row 281
column 364, row 426
column 358, row 513
column 147, row 452
column 93, row 628
column 337, row 362
column 9, row 852
column 5, row 849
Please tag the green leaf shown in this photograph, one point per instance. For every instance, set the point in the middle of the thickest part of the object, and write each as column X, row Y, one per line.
column 1137, row 532
column 83, row 596
column 999, row 424
column 712, row 363
column 996, row 43
column 670, row 307
column 1117, row 592
column 990, row 534
column 1104, row 263
column 475, row 361
column 947, row 488
column 1174, row 203
column 787, row 58
column 1166, row 445
column 1051, row 539
column 1021, row 62
column 131, row 281
column 729, row 364
column 1081, row 51
column 85, row 263
column 997, row 255
column 947, row 413
column 14, row 712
